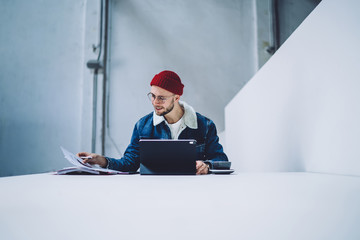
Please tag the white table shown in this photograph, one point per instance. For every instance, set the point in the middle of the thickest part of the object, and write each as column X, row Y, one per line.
column 239, row 206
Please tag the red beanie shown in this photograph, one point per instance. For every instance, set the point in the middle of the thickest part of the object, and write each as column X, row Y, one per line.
column 168, row 80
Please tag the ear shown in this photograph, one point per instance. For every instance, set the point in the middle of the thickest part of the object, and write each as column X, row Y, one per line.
column 177, row 98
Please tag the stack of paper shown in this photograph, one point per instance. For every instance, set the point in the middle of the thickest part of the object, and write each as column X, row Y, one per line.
column 83, row 168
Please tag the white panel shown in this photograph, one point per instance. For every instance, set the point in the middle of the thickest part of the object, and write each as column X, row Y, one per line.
column 300, row 112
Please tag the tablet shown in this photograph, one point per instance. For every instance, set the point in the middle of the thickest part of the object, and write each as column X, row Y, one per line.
column 167, row 157
column 222, row 171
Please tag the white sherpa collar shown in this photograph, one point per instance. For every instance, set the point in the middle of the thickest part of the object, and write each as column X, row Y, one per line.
column 190, row 118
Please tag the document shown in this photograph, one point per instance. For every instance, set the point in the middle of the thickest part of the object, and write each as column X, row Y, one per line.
column 83, row 168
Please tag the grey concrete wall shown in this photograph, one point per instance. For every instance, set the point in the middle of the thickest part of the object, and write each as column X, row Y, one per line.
column 210, row 44
column 291, row 13
column 46, row 90
column 41, row 49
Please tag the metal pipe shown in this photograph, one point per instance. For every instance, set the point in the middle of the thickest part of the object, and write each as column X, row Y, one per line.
column 94, row 109
column 104, row 90
column 274, row 26
column 106, row 110
column 96, row 65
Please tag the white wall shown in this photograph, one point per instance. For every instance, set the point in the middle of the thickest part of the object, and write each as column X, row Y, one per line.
column 41, row 82
column 300, row 111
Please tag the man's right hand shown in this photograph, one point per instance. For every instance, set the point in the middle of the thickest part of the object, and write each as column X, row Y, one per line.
column 95, row 159
column 201, row 167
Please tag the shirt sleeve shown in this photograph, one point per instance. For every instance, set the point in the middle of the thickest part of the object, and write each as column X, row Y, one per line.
column 130, row 162
column 214, row 151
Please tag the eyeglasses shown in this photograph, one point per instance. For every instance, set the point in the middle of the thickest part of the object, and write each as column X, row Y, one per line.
column 160, row 99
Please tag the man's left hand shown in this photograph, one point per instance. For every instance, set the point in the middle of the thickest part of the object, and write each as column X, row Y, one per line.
column 201, row 168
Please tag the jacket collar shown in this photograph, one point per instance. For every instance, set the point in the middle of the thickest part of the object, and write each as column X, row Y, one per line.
column 190, row 118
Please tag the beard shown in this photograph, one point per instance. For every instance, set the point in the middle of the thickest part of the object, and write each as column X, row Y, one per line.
column 167, row 110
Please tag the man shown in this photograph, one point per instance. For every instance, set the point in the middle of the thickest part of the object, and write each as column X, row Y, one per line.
column 171, row 119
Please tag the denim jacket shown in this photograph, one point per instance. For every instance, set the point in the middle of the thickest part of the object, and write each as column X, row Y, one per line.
column 151, row 126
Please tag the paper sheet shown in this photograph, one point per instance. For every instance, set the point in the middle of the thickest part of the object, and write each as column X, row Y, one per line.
column 76, row 161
